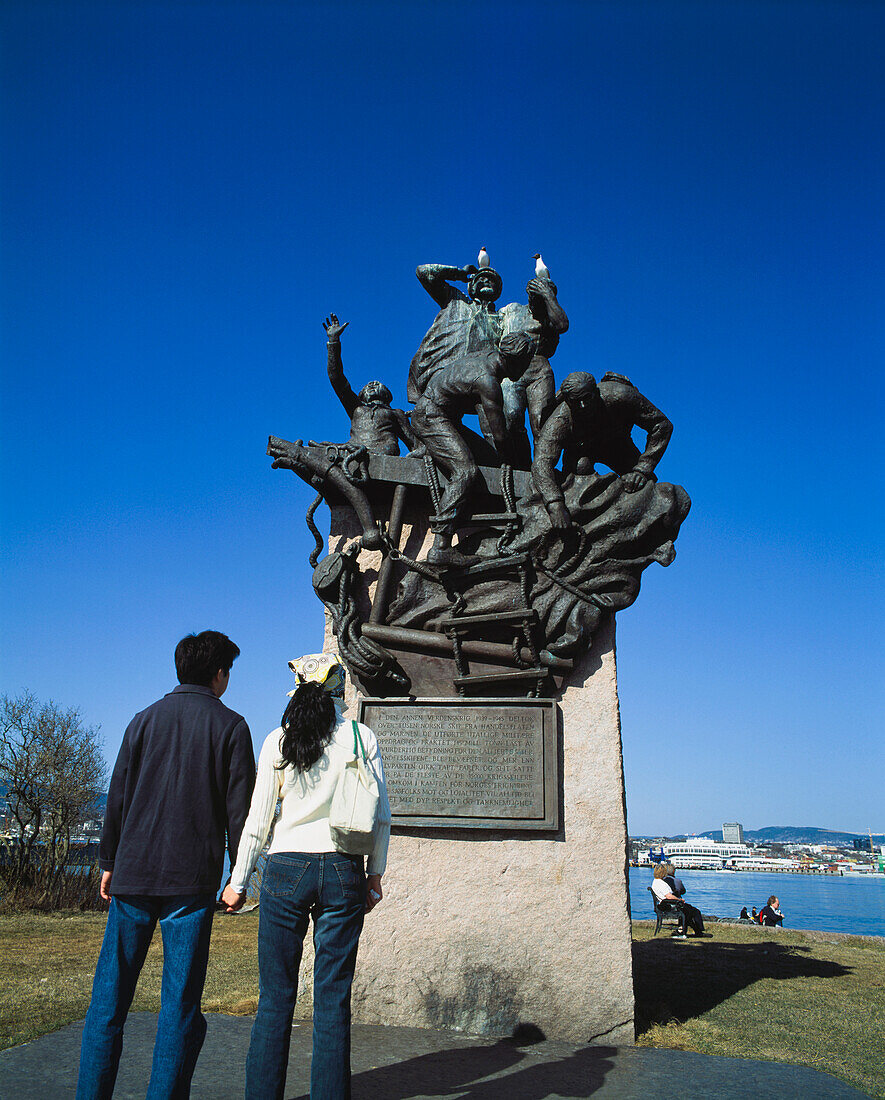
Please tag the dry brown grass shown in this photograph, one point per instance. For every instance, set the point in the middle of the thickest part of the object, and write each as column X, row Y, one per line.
column 47, row 962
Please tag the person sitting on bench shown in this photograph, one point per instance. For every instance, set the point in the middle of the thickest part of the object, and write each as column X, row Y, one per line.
column 661, row 890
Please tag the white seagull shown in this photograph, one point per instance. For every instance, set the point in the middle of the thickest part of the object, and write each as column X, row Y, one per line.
column 541, row 271
column 482, row 260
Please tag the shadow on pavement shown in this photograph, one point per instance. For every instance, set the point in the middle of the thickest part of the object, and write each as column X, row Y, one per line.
column 679, row 980
column 486, row 1073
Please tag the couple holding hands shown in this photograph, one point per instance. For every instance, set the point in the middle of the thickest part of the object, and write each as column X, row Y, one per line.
column 184, row 778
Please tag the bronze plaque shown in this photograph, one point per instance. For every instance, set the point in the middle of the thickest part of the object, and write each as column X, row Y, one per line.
column 468, row 763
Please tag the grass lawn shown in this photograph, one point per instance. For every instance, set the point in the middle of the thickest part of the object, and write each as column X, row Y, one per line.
column 802, row 997
column 805, row 997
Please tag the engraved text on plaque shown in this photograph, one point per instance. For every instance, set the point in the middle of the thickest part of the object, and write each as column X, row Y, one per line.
column 481, row 763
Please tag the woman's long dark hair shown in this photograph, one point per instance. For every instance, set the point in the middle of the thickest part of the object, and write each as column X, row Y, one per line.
column 307, row 724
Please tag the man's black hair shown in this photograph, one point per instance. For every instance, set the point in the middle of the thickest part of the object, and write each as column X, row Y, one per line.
column 198, row 657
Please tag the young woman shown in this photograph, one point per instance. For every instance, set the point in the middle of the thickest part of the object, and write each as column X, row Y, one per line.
column 299, row 766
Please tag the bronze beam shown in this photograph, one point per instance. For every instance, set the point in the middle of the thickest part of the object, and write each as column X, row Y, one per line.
column 429, row 641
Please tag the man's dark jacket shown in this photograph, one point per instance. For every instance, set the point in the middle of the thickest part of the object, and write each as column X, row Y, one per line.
column 183, row 779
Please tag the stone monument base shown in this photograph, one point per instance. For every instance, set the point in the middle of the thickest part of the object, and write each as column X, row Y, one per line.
column 484, row 932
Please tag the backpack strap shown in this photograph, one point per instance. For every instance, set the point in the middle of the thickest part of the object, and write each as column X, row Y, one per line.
column 357, row 740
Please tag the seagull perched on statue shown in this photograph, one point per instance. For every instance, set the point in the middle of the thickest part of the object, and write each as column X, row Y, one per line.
column 541, row 271
column 482, row 260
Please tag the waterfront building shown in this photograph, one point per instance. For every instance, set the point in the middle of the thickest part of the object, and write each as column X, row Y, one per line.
column 697, row 852
column 732, row 833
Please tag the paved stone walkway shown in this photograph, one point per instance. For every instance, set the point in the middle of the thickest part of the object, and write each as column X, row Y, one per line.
column 397, row 1063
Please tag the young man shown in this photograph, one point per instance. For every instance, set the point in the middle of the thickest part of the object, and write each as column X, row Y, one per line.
column 182, row 781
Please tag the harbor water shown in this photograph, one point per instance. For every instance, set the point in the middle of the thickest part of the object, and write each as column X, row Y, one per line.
column 828, row 903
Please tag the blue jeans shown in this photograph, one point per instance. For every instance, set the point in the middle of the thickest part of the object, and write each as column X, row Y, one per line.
column 185, row 925
column 331, row 887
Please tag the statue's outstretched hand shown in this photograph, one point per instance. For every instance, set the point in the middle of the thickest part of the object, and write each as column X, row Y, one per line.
column 333, row 328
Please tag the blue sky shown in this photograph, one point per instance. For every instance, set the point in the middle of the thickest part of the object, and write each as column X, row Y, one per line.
column 189, row 188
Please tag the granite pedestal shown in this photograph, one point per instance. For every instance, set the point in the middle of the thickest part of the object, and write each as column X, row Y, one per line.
column 487, row 930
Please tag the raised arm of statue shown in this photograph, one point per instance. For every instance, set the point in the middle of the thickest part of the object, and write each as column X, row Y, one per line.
column 433, row 278
column 544, row 306
column 335, row 367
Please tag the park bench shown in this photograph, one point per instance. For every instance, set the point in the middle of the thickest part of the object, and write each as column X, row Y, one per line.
column 669, row 911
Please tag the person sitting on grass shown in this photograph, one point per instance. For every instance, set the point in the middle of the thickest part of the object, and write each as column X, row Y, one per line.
column 771, row 915
column 744, row 914
column 689, row 915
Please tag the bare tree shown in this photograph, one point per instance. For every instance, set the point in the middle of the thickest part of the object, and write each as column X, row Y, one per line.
column 19, row 752
column 53, row 770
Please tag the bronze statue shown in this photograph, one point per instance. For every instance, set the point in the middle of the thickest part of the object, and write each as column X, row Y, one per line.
column 547, row 548
column 591, row 423
column 467, row 324
column 471, row 383
column 545, row 319
column 373, row 423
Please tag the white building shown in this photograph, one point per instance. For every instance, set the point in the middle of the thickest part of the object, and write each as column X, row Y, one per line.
column 732, row 833
column 698, row 852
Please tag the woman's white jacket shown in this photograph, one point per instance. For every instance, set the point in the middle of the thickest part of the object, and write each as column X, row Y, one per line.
column 305, row 798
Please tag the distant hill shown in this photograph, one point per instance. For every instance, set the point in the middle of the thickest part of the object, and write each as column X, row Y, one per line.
column 797, row 834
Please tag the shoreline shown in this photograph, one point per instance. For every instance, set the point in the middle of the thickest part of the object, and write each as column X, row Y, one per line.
column 850, row 905
column 817, row 872
column 818, row 935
